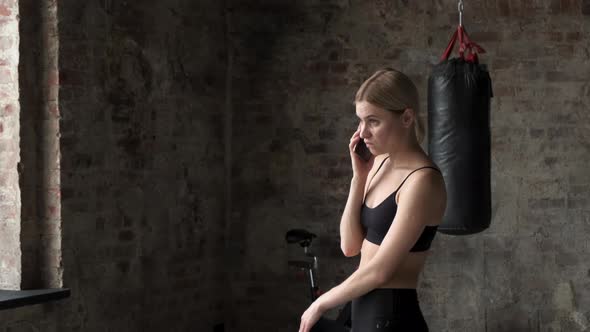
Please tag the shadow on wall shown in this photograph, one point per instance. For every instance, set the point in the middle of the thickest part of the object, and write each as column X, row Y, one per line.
column 39, row 177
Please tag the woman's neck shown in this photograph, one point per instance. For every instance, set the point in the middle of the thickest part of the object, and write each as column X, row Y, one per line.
column 404, row 154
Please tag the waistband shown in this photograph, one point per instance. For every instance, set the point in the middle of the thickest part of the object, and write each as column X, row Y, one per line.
column 386, row 301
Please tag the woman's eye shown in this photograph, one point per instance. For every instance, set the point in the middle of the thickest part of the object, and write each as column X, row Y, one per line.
column 373, row 122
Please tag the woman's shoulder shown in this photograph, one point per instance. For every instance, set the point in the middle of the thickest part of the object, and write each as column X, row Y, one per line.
column 428, row 176
column 424, row 161
column 424, row 172
column 428, row 169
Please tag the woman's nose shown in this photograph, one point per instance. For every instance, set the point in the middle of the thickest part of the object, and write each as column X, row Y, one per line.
column 363, row 132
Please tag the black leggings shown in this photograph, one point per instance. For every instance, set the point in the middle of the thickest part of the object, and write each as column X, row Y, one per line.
column 388, row 310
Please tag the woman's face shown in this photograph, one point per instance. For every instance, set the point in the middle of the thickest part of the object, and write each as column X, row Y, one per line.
column 380, row 129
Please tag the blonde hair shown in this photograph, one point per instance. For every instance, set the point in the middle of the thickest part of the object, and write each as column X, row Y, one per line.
column 393, row 91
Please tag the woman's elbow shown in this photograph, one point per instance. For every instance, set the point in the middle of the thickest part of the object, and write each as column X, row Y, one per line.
column 377, row 274
column 350, row 251
column 381, row 277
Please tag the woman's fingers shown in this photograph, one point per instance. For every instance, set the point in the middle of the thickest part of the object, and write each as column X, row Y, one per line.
column 354, row 140
column 305, row 328
column 352, row 144
column 305, row 325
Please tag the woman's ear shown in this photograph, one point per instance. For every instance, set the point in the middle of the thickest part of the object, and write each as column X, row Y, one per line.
column 408, row 117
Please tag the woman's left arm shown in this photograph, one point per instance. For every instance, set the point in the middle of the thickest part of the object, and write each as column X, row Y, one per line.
column 421, row 202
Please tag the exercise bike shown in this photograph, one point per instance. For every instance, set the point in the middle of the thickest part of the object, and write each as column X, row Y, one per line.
column 309, row 264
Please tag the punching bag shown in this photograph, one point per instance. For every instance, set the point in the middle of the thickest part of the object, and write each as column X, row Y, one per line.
column 459, row 94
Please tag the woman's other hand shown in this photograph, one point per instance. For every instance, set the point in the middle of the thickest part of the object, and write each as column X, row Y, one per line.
column 310, row 317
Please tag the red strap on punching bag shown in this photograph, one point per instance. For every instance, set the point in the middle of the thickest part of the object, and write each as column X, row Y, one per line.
column 465, row 45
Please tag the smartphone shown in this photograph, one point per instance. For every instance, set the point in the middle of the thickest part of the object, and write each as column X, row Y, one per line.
column 362, row 150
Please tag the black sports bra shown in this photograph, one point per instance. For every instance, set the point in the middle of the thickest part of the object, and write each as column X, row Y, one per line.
column 376, row 221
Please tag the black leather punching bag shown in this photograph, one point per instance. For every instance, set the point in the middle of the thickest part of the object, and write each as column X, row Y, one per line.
column 459, row 94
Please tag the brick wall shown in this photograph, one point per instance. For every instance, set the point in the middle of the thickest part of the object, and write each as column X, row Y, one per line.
column 297, row 67
column 10, row 200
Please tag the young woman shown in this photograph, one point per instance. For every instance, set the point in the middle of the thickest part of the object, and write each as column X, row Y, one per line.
column 396, row 202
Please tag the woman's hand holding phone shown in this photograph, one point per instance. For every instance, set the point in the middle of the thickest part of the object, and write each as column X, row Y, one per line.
column 362, row 159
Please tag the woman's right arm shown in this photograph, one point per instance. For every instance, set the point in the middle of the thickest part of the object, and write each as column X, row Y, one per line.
column 351, row 231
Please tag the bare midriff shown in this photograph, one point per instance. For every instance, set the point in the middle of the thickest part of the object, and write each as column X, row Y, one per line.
column 406, row 275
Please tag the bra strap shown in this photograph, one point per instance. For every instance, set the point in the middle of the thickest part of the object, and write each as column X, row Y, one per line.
column 412, row 172
column 383, row 162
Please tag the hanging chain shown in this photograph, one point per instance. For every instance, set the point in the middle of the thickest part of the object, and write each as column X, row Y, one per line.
column 460, row 8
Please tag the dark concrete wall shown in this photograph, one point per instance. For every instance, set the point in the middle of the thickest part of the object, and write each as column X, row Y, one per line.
column 142, row 91
column 143, row 85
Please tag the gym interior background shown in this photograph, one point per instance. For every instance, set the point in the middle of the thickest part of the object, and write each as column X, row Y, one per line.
column 154, row 153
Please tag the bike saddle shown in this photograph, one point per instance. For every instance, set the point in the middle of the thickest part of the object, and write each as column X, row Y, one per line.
column 300, row 236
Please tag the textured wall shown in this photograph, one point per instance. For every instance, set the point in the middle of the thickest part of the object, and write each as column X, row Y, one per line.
column 142, row 175
column 143, row 109
column 297, row 66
